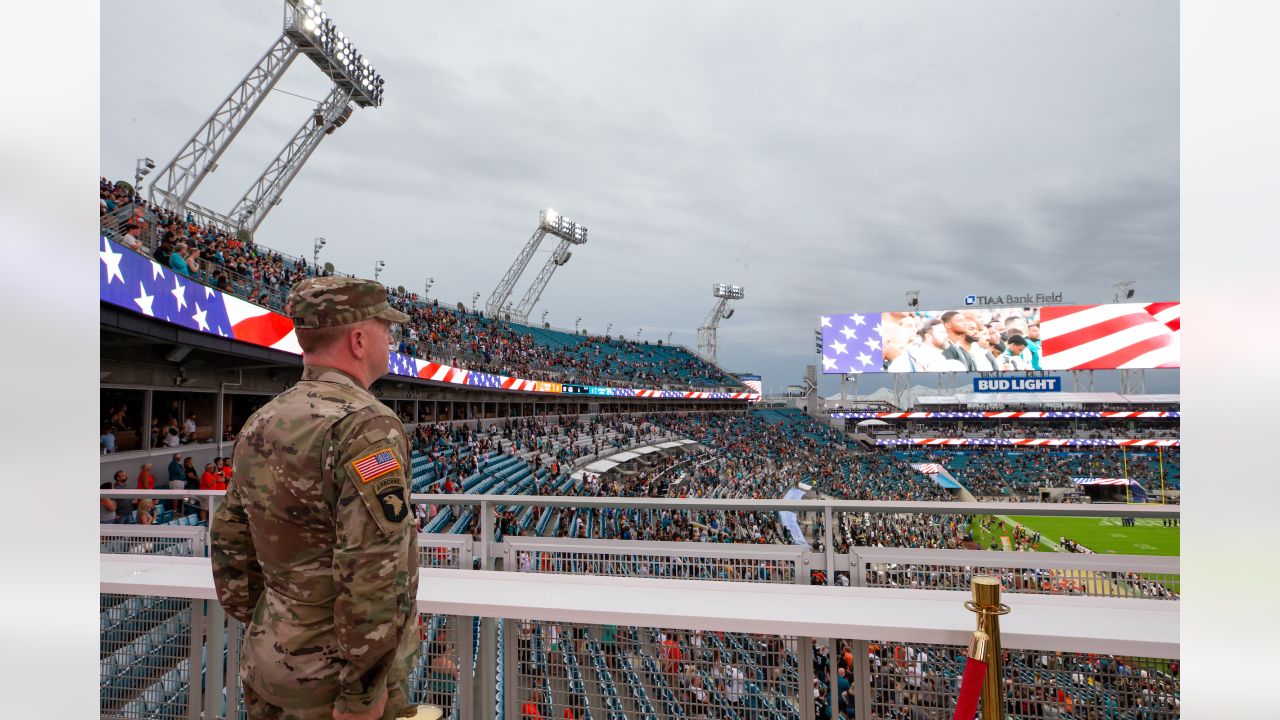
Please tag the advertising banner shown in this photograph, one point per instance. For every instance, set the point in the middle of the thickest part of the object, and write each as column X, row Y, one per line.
column 1121, row 336
column 1017, row 384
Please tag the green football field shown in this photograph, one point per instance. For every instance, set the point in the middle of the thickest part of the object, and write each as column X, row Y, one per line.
column 1103, row 535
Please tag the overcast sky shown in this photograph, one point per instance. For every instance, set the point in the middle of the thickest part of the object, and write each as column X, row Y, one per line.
column 826, row 156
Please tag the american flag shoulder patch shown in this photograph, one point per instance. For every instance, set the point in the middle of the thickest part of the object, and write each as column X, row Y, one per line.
column 375, row 465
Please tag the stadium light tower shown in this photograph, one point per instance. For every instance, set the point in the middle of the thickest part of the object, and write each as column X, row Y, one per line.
column 576, row 325
column 550, row 222
column 608, row 328
column 307, row 31
column 142, row 169
column 377, row 269
column 426, row 290
column 724, row 294
column 315, row 255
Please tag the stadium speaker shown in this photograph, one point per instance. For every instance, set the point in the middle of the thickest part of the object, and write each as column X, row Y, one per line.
column 178, row 354
column 1129, row 295
column 728, row 314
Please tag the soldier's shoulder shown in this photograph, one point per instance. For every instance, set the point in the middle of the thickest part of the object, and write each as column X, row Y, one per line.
column 370, row 425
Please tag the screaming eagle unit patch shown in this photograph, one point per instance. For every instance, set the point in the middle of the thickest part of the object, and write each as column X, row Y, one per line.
column 390, row 491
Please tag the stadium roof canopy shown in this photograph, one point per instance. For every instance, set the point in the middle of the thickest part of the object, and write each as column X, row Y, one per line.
column 1046, row 399
column 600, row 466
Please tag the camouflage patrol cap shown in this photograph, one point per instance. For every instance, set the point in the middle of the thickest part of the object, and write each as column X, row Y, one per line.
column 328, row 301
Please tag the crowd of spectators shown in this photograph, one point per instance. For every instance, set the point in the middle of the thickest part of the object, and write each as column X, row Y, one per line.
column 1003, row 472
column 748, row 456
column 221, row 259
column 1054, row 429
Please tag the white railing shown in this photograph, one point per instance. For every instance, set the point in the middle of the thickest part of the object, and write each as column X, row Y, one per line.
column 1125, row 628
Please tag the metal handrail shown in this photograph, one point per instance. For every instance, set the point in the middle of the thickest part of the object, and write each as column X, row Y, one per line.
column 818, row 505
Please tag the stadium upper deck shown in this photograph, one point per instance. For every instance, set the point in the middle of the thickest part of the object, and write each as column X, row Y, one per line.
column 443, row 334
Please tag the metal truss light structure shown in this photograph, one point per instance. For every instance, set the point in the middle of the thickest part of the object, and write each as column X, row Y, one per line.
column 724, row 294
column 308, row 31
column 266, row 191
column 550, row 222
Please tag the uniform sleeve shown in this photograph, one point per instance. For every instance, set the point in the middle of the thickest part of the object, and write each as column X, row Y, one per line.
column 236, row 572
column 370, row 559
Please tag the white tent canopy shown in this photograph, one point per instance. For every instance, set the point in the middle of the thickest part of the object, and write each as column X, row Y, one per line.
column 600, row 466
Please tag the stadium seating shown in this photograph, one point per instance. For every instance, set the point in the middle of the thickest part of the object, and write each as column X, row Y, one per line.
column 438, row 332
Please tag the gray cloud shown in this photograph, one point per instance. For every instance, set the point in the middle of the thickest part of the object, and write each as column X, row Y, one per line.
column 827, row 157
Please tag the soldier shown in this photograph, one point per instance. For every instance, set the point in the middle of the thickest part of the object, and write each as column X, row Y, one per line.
column 314, row 547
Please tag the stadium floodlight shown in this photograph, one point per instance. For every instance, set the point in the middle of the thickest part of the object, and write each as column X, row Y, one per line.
column 576, row 325
column 332, row 51
column 377, row 269
column 426, row 290
column 475, row 298
column 913, row 298
column 669, row 337
column 550, row 222
column 639, row 333
column 724, row 293
column 142, row 169
column 1124, row 290
column 562, row 227
column 607, row 329
column 315, row 255
column 728, row 292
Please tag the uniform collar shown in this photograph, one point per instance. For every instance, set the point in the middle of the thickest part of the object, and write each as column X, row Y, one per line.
column 323, row 373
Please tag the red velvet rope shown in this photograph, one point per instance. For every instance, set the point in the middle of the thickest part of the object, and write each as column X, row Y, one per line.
column 970, row 689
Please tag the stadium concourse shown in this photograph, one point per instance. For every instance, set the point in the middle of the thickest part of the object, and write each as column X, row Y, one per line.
column 514, row 462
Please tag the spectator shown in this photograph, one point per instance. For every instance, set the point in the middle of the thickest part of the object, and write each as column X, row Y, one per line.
column 210, row 479
column 146, row 511
column 172, row 438
column 530, row 709
column 190, row 478
column 190, row 481
column 146, row 481
column 178, row 260
column 189, row 429
column 107, row 440
column 124, row 505
column 106, row 506
column 226, row 470
column 177, row 480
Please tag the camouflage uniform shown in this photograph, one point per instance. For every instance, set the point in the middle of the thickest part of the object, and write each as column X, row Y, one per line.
column 314, row 547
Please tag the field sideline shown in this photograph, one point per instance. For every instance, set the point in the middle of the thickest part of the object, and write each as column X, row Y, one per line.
column 1102, row 535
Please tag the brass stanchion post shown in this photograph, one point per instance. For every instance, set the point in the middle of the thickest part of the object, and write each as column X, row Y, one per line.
column 986, row 603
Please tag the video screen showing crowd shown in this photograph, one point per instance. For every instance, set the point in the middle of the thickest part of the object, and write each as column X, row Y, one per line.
column 1118, row 336
column 995, row 340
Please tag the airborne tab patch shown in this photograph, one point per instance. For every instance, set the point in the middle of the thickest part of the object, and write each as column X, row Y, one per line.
column 375, row 465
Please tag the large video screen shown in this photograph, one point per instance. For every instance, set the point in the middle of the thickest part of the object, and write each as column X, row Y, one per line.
column 1125, row 336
